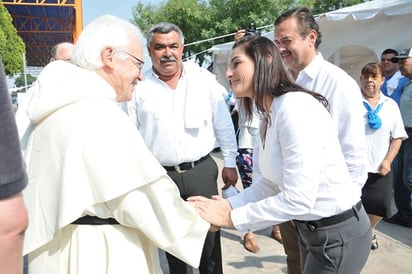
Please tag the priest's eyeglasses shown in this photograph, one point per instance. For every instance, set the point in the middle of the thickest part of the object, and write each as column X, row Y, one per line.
column 139, row 63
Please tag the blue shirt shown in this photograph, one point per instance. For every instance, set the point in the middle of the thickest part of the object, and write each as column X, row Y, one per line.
column 396, row 94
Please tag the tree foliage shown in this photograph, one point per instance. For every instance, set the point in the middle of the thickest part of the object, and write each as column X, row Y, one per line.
column 190, row 15
column 202, row 20
column 12, row 46
column 19, row 82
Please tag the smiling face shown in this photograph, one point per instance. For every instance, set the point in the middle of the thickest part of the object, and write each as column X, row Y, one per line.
column 296, row 51
column 166, row 51
column 121, row 69
column 241, row 73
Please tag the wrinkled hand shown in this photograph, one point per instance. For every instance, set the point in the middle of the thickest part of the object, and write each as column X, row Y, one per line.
column 229, row 176
column 216, row 211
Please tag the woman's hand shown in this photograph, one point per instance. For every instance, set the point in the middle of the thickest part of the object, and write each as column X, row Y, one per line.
column 215, row 211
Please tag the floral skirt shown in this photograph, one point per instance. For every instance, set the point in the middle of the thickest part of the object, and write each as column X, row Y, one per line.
column 244, row 163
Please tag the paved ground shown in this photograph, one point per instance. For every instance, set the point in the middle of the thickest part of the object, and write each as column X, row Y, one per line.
column 394, row 255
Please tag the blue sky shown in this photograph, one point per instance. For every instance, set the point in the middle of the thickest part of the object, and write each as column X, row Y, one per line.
column 119, row 8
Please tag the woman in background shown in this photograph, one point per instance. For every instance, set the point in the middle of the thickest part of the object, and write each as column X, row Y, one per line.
column 384, row 131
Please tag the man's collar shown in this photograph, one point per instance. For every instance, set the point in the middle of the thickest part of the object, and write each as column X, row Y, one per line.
column 312, row 68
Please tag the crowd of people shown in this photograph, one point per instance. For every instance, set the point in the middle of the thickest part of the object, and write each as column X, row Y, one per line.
column 106, row 165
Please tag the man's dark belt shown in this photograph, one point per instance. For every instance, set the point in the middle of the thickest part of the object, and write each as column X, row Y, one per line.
column 408, row 129
column 336, row 219
column 186, row 166
column 94, row 220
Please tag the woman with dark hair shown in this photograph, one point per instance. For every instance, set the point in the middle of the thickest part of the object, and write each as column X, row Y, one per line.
column 384, row 134
column 299, row 170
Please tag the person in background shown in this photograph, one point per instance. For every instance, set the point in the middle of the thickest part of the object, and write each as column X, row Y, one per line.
column 403, row 169
column 384, row 134
column 297, row 37
column 61, row 51
column 302, row 179
column 13, row 179
column 180, row 111
column 247, row 135
column 98, row 200
column 394, row 81
column 230, row 102
column 392, row 87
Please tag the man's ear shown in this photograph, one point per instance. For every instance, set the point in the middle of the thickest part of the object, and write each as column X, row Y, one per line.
column 313, row 36
column 107, row 57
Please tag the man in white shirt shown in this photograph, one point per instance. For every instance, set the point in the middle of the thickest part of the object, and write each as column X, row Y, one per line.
column 394, row 81
column 297, row 37
column 403, row 168
column 180, row 112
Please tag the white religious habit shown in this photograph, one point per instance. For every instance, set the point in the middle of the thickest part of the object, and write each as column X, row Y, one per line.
column 84, row 156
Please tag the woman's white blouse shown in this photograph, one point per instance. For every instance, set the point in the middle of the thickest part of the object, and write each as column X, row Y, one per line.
column 378, row 140
column 299, row 170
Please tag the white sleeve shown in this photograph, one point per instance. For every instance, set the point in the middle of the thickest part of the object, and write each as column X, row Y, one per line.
column 223, row 126
column 157, row 210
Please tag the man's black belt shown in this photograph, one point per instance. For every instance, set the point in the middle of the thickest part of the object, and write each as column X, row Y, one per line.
column 335, row 219
column 186, row 166
column 94, row 220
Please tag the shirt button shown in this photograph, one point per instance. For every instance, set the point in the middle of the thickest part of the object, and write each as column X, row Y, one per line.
column 311, row 227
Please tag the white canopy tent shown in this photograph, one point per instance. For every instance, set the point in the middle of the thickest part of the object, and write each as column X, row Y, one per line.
column 351, row 37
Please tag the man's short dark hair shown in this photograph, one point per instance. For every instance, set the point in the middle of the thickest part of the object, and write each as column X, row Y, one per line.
column 305, row 20
column 389, row 51
column 164, row 28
